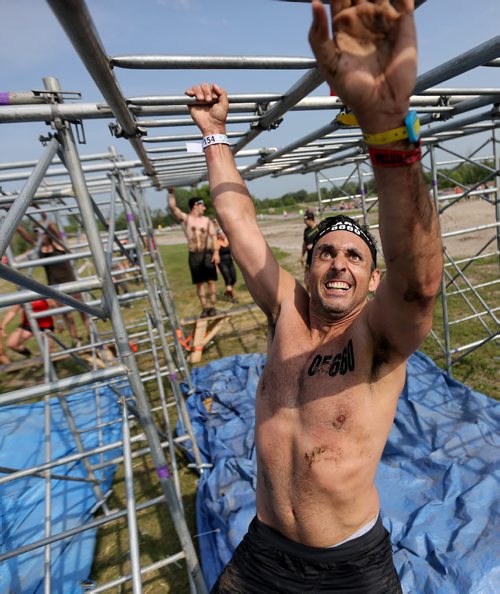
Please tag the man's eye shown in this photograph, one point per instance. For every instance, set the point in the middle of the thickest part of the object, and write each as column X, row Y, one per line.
column 325, row 255
column 355, row 257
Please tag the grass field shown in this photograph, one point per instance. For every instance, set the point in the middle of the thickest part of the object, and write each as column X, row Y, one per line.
column 243, row 334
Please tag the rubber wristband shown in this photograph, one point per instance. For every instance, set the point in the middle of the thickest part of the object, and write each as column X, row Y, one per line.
column 393, row 157
column 214, row 139
column 347, row 119
column 410, row 131
column 386, row 137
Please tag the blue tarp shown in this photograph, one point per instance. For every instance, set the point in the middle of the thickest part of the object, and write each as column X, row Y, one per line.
column 22, row 501
column 438, row 477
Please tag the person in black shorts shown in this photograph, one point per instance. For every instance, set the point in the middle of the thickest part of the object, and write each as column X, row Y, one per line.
column 226, row 266
column 203, row 249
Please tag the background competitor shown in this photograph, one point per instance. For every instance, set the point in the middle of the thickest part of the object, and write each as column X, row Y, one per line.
column 203, row 249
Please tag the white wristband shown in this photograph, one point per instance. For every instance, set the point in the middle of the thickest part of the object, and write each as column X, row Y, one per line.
column 214, row 139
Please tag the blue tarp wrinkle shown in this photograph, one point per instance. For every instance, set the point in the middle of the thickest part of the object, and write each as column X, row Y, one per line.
column 438, row 477
column 22, row 501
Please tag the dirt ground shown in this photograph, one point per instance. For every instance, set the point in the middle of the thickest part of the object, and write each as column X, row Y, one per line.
column 465, row 215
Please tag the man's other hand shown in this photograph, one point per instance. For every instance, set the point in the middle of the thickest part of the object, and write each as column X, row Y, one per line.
column 210, row 110
column 371, row 60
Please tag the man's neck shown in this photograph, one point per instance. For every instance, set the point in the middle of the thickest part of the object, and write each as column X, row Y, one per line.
column 327, row 326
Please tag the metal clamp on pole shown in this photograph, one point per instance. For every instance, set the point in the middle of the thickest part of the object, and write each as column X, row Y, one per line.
column 118, row 132
column 80, row 131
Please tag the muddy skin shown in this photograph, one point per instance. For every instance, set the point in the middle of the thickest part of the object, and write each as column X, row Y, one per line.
column 322, row 454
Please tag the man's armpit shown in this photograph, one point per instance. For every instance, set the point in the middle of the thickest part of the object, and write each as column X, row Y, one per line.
column 382, row 351
column 272, row 319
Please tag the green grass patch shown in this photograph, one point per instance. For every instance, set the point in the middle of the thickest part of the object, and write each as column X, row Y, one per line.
column 479, row 367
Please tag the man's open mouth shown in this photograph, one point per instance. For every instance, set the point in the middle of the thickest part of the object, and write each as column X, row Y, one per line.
column 336, row 284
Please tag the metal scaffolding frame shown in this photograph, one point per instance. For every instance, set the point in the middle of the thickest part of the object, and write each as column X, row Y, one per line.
column 474, row 306
column 157, row 330
column 446, row 113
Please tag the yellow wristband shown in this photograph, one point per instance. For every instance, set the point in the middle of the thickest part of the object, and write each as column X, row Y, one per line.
column 410, row 130
column 386, row 137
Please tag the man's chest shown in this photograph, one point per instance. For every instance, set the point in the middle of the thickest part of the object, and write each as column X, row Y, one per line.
column 299, row 373
column 196, row 227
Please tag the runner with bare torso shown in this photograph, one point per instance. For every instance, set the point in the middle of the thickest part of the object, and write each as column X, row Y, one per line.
column 203, row 249
column 336, row 358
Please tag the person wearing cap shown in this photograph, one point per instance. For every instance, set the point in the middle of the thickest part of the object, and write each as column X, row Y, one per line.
column 203, row 249
column 337, row 358
column 309, row 233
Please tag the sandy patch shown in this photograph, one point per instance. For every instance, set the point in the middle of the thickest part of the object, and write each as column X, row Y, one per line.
column 467, row 217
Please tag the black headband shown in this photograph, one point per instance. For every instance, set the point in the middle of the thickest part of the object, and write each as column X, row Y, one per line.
column 334, row 224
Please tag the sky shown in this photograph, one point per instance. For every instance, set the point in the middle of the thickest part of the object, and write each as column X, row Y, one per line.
column 35, row 45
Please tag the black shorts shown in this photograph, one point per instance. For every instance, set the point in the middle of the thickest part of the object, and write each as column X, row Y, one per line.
column 267, row 562
column 228, row 270
column 59, row 273
column 309, row 257
column 201, row 266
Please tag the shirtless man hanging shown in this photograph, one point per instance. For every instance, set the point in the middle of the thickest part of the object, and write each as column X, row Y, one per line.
column 336, row 358
column 203, row 248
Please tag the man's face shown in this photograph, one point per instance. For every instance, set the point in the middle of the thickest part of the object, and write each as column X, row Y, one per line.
column 199, row 207
column 308, row 222
column 340, row 276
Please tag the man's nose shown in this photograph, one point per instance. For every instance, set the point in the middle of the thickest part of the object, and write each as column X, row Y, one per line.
column 339, row 261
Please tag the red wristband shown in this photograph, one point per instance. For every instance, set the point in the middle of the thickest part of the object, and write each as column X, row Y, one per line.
column 393, row 157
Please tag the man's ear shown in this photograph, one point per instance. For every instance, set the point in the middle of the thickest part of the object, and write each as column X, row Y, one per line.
column 374, row 280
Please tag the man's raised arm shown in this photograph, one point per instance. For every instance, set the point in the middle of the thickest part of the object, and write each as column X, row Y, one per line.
column 26, row 235
column 172, row 205
column 266, row 281
column 371, row 63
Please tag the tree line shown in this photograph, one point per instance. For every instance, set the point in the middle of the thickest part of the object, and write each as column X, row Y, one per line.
column 465, row 174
